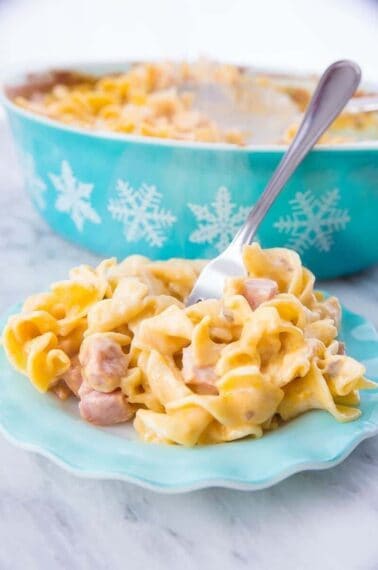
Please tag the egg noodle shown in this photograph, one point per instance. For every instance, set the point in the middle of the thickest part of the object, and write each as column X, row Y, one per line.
column 157, row 99
column 121, row 339
column 150, row 99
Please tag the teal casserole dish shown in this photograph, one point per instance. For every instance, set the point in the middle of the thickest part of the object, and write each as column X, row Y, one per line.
column 119, row 194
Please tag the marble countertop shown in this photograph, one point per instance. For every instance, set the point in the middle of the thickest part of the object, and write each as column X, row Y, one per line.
column 50, row 519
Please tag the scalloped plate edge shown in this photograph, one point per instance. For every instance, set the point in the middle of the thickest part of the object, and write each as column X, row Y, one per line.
column 240, row 485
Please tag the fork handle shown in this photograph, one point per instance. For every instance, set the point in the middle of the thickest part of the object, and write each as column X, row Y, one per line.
column 336, row 86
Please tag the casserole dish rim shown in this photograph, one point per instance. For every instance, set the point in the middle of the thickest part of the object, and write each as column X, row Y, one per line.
column 20, row 76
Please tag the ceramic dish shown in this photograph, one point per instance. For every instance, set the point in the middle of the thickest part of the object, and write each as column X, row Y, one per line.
column 41, row 423
column 122, row 194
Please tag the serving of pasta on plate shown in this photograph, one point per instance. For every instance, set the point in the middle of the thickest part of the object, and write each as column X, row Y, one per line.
column 120, row 339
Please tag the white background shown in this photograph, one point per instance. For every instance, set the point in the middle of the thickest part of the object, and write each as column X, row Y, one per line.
column 304, row 34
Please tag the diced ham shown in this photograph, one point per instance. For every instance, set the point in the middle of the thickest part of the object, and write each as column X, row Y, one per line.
column 341, row 348
column 73, row 377
column 105, row 409
column 84, row 389
column 103, row 362
column 257, row 291
column 201, row 378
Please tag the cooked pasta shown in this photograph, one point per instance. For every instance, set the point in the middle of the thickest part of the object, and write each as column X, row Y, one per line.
column 120, row 338
column 150, row 99
column 157, row 100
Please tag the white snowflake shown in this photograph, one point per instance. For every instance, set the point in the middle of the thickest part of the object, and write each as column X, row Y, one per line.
column 313, row 221
column 219, row 221
column 73, row 197
column 141, row 213
column 35, row 184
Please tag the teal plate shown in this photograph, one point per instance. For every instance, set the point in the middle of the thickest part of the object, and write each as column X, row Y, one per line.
column 315, row 440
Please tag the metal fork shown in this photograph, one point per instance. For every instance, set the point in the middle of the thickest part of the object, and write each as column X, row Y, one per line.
column 336, row 86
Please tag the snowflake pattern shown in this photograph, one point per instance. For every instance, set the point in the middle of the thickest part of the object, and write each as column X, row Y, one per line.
column 73, row 197
column 35, row 184
column 313, row 221
column 141, row 213
column 219, row 221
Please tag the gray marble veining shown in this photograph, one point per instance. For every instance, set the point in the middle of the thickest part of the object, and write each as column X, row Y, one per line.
column 51, row 520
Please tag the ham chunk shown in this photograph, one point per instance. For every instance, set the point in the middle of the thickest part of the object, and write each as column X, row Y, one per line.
column 104, row 409
column 341, row 348
column 104, row 363
column 200, row 378
column 257, row 291
column 73, row 377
